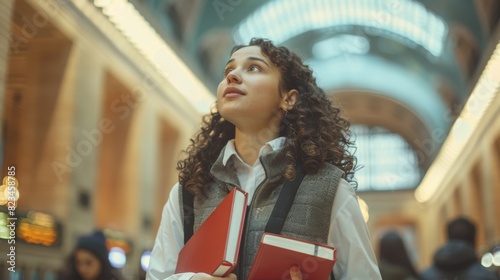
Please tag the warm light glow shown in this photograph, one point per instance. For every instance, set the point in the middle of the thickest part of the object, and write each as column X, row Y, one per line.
column 8, row 193
column 36, row 234
column 8, row 190
column 118, row 243
column 404, row 20
column 11, row 193
column 154, row 49
column 116, row 239
column 478, row 103
column 364, row 209
column 3, row 197
column 13, row 181
column 41, row 219
column 38, row 228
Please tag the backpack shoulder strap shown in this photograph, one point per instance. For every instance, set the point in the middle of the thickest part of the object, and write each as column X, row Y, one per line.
column 284, row 202
column 188, row 213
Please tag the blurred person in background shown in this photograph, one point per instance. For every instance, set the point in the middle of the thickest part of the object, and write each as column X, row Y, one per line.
column 457, row 259
column 89, row 260
column 394, row 261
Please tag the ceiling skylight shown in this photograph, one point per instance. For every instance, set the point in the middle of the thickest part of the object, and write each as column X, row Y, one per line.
column 405, row 20
column 339, row 45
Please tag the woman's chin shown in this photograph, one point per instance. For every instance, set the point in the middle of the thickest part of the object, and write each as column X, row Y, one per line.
column 230, row 113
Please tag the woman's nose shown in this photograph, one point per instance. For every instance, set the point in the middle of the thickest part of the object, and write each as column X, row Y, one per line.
column 233, row 77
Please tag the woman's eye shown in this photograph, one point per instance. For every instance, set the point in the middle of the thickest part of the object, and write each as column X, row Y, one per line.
column 227, row 71
column 254, row 68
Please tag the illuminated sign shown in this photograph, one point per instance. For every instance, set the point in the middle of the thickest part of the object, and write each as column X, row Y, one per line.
column 4, row 229
column 34, row 228
column 116, row 239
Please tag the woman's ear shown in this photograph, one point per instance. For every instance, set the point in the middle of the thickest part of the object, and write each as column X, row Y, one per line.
column 289, row 99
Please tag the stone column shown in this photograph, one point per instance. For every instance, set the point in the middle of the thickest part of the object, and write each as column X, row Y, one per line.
column 489, row 192
column 6, row 8
column 86, row 139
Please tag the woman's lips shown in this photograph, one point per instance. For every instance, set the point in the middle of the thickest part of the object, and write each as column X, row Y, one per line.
column 232, row 92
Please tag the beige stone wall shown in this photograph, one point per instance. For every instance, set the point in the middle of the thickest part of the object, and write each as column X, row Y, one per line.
column 94, row 132
column 5, row 20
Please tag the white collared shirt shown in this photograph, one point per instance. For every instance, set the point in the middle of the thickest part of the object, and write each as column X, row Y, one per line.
column 249, row 176
column 348, row 232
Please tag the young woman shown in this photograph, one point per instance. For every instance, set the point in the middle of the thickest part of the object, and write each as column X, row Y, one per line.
column 270, row 117
column 89, row 260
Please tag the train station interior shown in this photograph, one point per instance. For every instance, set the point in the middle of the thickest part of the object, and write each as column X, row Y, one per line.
column 98, row 99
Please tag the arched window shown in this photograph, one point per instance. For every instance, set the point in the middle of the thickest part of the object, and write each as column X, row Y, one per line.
column 386, row 161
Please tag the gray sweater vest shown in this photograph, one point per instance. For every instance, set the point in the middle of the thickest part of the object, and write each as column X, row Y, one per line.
column 309, row 216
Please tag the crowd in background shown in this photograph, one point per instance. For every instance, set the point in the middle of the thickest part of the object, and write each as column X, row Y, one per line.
column 457, row 259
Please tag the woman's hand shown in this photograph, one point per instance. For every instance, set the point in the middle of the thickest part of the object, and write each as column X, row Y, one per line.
column 295, row 273
column 204, row 276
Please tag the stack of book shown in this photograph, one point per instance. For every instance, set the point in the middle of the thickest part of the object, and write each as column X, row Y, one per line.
column 214, row 248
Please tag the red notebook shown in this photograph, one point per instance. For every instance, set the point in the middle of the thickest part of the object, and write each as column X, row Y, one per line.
column 214, row 247
column 278, row 253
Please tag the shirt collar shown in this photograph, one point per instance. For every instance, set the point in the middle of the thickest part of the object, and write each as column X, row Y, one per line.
column 270, row 146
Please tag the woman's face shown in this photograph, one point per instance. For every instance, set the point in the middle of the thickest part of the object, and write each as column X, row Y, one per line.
column 248, row 96
column 87, row 264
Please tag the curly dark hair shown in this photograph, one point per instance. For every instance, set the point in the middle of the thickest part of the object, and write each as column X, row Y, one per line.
column 315, row 131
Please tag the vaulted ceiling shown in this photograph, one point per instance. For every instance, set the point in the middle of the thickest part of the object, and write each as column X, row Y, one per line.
column 404, row 65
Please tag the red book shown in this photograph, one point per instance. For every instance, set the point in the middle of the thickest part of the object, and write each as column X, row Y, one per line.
column 278, row 253
column 214, row 247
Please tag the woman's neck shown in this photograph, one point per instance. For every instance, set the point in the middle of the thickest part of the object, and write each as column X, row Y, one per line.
column 248, row 145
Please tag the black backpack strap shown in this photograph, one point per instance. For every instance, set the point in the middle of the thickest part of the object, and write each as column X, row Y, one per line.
column 284, row 202
column 188, row 209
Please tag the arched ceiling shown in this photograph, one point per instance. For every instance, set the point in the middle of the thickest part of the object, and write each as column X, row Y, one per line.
column 418, row 55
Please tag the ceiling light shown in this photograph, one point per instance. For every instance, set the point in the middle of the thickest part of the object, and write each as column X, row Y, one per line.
column 462, row 130
column 156, row 51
